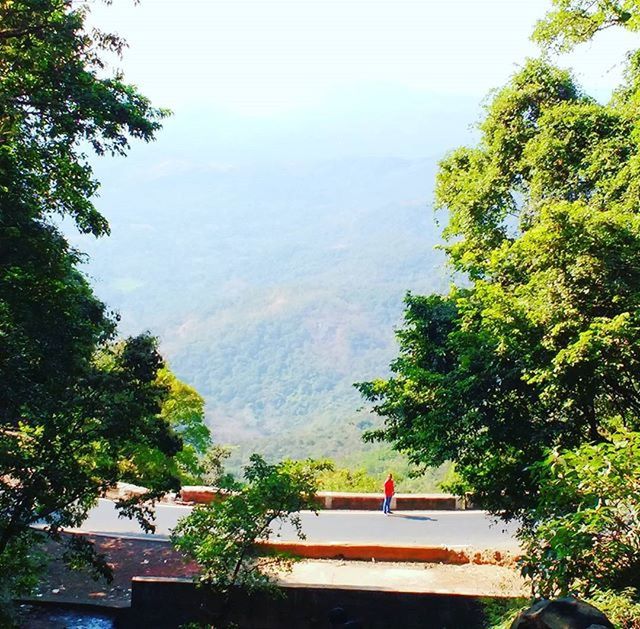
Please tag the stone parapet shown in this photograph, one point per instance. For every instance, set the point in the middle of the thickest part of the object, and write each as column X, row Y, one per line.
column 124, row 491
column 368, row 552
column 345, row 500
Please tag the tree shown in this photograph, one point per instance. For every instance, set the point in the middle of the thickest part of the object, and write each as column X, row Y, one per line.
column 345, row 479
column 540, row 348
column 585, row 533
column 214, row 473
column 527, row 376
column 573, row 22
column 57, row 459
column 183, row 410
column 55, row 100
column 223, row 536
column 77, row 410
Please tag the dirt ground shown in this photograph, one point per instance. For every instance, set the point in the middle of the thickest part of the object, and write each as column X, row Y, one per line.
column 468, row 579
column 128, row 558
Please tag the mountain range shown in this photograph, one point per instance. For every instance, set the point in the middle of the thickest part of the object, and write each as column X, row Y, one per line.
column 273, row 284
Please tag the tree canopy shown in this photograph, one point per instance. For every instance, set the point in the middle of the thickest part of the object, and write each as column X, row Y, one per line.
column 573, row 22
column 57, row 101
column 585, row 533
column 78, row 411
column 183, row 410
column 539, row 347
column 223, row 537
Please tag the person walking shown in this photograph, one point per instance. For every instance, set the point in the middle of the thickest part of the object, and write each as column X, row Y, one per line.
column 389, row 490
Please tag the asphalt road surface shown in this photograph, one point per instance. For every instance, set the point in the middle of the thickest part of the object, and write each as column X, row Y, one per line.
column 454, row 529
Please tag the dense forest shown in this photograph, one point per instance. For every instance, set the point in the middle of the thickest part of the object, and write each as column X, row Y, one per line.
column 273, row 288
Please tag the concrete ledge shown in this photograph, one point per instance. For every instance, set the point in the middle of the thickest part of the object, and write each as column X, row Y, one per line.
column 106, row 608
column 367, row 552
column 165, row 603
column 425, row 502
column 200, row 494
column 373, row 502
column 393, row 552
column 124, row 491
column 344, row 500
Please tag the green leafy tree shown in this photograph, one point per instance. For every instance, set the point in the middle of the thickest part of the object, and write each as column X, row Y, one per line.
column 573, row 22
column 56, row 100
column 213, row 465
column 527, row 376
column 540, row 348
column 223, row 536
column 77, row 411
column 585, row 531
column 183, row 410
column 104, row 428
column 621, row 608
column 345, row 479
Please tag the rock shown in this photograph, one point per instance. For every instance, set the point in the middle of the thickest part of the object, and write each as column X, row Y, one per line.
column 124, row 491
column 562, row 613
column 202, row 494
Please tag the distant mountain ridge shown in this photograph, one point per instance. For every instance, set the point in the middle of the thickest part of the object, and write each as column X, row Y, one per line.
column 274, row 286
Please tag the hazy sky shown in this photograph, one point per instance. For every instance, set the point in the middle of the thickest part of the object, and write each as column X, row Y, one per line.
column 265, row 56
column 326, row 79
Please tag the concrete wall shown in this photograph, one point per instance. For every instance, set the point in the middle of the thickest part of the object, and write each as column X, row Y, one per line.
column 367, row 552
column 346, row 500
column 168, row 603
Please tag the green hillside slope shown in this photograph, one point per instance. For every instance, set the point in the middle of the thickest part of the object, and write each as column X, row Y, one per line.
column 273, row 287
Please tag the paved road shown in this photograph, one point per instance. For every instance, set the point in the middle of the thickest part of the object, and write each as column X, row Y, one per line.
column 426, row 528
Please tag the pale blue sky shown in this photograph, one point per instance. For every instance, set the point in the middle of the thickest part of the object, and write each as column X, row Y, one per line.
column 259, row 57
column 298, row 80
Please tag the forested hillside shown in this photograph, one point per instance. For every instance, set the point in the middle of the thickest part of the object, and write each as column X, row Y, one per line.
column 273, row 287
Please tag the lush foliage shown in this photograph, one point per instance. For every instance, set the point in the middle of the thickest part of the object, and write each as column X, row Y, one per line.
column 344, row 479
column 572, row 22
column 183, row 410
column 367, row 475
column 222, row 537
column 77, row 410
column 499, row 613
column 20, row 566
column 584, row 532
column 55, row 99
column 214, row 473
column 103, row 427
column 621, row 608
column 541, row 350
column 528, row 377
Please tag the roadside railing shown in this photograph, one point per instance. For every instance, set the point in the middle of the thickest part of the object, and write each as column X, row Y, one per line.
column 345, row 500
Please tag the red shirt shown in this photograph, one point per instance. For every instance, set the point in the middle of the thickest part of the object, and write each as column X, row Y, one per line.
column 389, row 489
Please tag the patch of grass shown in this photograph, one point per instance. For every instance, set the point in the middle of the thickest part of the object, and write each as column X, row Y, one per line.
column 621, row 608
column 500, row 612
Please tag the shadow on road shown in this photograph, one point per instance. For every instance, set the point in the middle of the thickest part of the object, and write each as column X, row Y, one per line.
column 416, row 517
